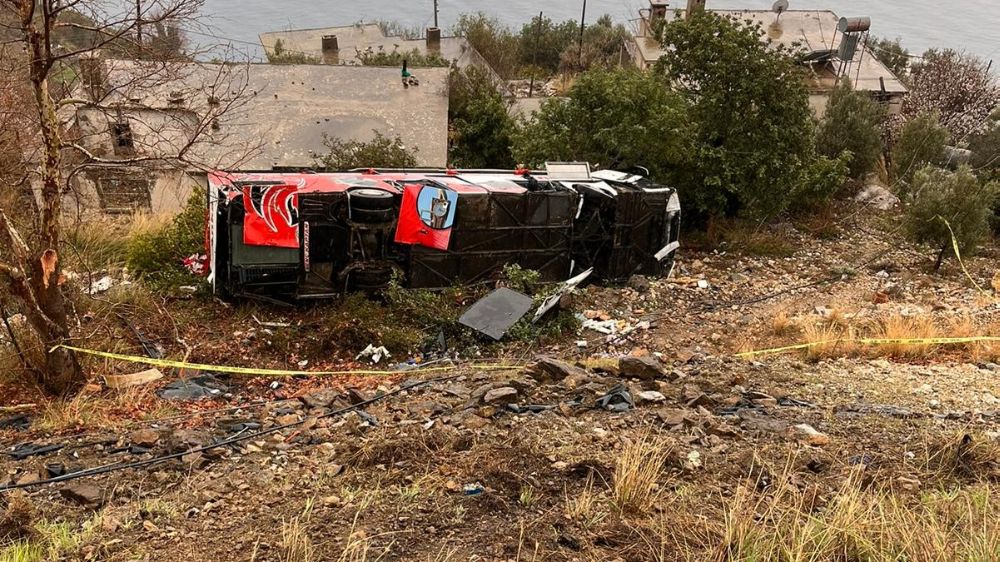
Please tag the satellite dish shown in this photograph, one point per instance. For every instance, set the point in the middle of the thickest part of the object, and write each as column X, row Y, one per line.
column 779, row 7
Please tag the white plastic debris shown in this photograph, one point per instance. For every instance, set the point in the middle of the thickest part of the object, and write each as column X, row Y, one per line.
column 703, row 284
column 693, row 460
column 101, row 285
column 374, row 353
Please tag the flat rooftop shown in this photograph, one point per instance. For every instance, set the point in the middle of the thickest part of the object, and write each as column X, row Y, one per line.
column 811, row 30
column 354, row 38
column 260, row 116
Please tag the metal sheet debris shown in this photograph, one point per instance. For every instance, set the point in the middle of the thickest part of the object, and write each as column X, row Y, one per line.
column 566, row 287
column 497, row 312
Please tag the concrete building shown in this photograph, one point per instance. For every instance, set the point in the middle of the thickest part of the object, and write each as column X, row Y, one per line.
column 815, row 32
column 254, row 117
column 341, row 45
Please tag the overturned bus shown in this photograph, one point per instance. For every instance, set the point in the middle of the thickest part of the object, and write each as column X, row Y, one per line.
column 290, row 236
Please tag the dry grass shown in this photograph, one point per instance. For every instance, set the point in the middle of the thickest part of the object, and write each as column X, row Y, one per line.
column 296, row 546
column 783, row 326
column 827, row 340
column 856, row 524
column 898, row 327
column 634, row 487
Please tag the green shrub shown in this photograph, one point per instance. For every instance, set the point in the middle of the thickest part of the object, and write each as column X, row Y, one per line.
column 892, row 54
column 824, row 178
column 380, row 152
column 852, row 124
column 612, row 118
column 921, row 142
column 959, row 198
column 157, row 255
column 542, row 42
column 497, row 44
column 279, row 55
column 414, row 58
column 750, row 117
column 481, row 128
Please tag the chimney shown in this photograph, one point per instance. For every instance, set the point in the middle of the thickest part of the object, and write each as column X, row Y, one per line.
column 434, row 39
column 657, row 10
column 694, row 7
column 92, row 75
column 331, row 49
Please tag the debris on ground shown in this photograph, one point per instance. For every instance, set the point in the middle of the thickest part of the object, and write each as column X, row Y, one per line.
column 194, row 388
column 375, row 354
column 497, row 312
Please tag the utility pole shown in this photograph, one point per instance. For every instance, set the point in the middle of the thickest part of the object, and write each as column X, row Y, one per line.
column 534, row 58
column 435, row 13
column 583, row 18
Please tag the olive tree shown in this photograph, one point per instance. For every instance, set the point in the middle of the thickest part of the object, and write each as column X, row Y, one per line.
column 749, row 113
column 851, row 124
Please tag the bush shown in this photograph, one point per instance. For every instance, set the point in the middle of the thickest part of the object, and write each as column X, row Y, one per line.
column 481, row 128
column 959, row 198
column 892, row 54
column 157, row 255
column 612, row 118
column 380, row 152
column 494, row 41
column 753, row 128
column 279, row 55
column 958, row 87
column 824, row 178
column 851, row 124
column 414, row 58
column 603, row 47
column 985, row 149
column 921, row 142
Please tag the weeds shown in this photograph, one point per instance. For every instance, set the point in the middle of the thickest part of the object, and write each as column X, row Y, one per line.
column 296, row 546
column 636, row 472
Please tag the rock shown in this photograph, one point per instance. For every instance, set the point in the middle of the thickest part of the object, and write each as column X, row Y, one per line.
column 878, row 197
column 150, row 527
column 83, row 494
column 572, row 382
column 645, row 368
column 286, row 419
column 672, row 417
column 808, row 434
column 332, row 501
column 650, row 397
column 907, row 483
column 145, row 438
column 638, row 283
column 356, row 396
column 502, row 395
column 693, row 396
column 554, row 369
column 193, row 460
column 321, row 399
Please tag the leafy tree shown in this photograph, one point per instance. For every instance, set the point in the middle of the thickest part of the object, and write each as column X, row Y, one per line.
column 613, row 118
column 497, row 44
column 603, row 46
column 823, row 179
column 892, row 54
column 921, row 142
column 985, row 149
column 480, row 126
column 542, row 42
column 380, row 152
column 958, row 87
column 956, row 197
column 752, row 124
column 851, row 124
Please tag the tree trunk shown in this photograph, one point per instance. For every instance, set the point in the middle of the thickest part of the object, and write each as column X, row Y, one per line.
column 63, row 374
column 940, row 258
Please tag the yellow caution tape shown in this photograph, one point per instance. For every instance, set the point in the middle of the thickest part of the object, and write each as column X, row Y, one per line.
column 272, row 372
column 958, row 256
column 871, row 341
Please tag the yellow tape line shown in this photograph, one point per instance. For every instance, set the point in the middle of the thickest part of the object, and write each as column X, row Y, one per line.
column 958, row 256
column 271, row 372
column 871, row 341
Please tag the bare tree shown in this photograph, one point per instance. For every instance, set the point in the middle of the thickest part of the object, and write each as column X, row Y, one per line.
column 59, row 35
column 959, row 87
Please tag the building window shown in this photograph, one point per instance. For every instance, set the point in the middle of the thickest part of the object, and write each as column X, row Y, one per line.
column 124, row 195
column 121, row 134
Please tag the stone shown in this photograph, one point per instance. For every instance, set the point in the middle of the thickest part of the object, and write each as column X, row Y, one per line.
column 672, row 416
column 356, row 396
column 502, row 395
column 83, row 494
column 554, row 369
column 193, row 460
column 286, row 419
column 810, row 436
column 908, row 483
column 150, row 527
column 320, row 399
column 650, row 397
column 645, row 368
column 638, row 283
column 572, row 382
column 693, row 396
column 145, row 438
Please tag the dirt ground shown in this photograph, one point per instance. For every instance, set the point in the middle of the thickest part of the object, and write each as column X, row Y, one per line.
column 523, row 464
